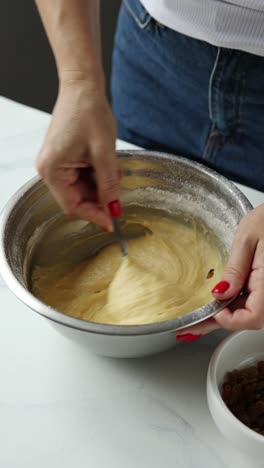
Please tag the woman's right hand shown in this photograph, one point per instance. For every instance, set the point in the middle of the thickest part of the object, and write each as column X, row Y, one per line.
column 81, row 141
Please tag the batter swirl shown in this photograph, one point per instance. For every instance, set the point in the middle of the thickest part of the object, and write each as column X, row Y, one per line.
column 164, row 276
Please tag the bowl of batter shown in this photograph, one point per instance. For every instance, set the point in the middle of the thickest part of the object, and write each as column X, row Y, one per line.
column 73, row 273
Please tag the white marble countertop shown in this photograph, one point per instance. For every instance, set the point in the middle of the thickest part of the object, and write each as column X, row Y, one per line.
column 61, row 406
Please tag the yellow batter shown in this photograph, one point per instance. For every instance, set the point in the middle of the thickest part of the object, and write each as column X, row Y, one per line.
column 164, row 276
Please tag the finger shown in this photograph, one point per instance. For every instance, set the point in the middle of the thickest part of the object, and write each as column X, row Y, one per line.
column 75, row 202
column 89, row 211
column 107, row 176
column 202, row 328
column 86, row 185
column 237, row 269
column 52, row 166
column 241, row 315
column 248, row 311
column 72, row 189
column 225, row 318
column 241, row 319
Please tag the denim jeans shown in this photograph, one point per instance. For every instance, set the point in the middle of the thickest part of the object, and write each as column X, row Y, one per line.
column 177, row 94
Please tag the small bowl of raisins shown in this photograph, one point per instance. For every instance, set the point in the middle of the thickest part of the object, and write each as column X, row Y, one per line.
column 235, row 390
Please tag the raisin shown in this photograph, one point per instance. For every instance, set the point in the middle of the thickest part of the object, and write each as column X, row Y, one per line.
column 260, row 407
column 227, row 392
column 252, row 372
column 243, row 393
column 210, row 273
column 260, row 367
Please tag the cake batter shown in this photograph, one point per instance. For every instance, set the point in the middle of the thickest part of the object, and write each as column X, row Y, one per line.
column 166, row 274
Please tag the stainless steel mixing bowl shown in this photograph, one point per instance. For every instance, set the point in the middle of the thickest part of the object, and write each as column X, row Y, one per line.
column 34, row 230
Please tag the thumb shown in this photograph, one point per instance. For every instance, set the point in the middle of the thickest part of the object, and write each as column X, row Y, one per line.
column 237, row 269
column 107, row 177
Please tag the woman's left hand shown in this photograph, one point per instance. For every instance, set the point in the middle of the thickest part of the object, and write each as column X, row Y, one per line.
column 245, row 268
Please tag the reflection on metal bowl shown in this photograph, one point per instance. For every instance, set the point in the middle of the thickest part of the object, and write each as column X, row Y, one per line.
column 34, row 230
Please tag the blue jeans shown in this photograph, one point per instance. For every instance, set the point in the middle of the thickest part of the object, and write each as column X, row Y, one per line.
column 177, row 94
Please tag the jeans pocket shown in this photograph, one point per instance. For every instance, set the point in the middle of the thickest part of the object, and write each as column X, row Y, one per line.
column 138, row 13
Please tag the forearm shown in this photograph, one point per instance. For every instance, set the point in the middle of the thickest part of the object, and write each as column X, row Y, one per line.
column 73, row 29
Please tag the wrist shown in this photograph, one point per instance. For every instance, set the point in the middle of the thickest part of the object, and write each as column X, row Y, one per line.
column 92, row 78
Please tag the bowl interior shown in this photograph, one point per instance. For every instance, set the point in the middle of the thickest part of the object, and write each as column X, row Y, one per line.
column 237, row 351
column 33, row 228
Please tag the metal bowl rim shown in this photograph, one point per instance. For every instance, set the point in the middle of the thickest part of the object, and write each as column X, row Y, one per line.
column 192, row 318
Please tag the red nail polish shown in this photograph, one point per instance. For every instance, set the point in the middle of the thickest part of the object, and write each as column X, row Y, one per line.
column 211, row 319
column 192, row 338
column 221, row 287
column 115, row 208
column 188, row 337
column 181, row 337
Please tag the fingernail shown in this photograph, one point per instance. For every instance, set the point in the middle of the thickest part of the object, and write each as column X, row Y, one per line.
column 115, row 208
column 192, row 338
column 188, row 337
column 221, row 287
column 211, row 319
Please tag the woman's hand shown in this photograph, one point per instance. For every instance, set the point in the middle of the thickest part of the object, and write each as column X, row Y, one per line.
column 80, row 139
column 244, row 268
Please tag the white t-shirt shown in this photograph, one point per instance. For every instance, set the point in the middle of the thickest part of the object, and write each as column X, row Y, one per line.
column 235, row 24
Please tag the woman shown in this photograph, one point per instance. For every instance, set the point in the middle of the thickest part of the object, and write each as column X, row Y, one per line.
column 188, row 78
